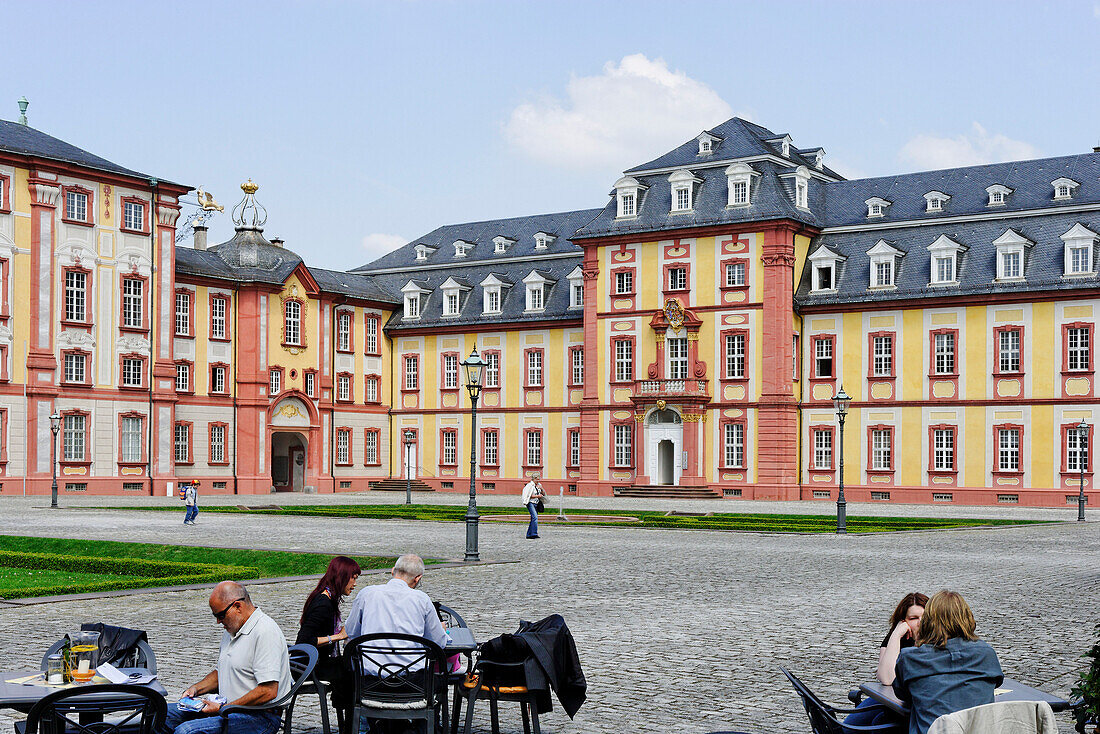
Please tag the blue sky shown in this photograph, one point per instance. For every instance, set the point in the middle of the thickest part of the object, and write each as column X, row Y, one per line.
column 369, row 124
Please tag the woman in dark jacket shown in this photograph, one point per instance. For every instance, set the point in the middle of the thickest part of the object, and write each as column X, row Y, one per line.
column 322, row 625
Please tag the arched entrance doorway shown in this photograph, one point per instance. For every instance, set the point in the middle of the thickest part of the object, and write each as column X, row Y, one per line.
column 288, row 461
column 293, row 440
column 664, row 446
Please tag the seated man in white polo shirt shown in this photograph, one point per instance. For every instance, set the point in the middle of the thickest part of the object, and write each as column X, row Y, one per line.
column 253, row 669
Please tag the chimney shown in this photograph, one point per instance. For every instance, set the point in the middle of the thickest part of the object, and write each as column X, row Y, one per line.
column 23, row 104
column 200, row 236
column 1096, row 149
column 277, row 241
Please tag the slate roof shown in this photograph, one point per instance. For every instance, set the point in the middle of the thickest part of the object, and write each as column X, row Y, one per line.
column 771, row 198
column 740, row 139
column 513, row 299
column 521, row 229
column 1030, row 181
column 25, row 140
column 976, row 268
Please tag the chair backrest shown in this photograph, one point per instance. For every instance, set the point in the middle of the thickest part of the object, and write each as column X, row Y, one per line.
column 396, row 668
column 1003, row 717
column 139, row 656
column 822, row 715
column 303, row 659
column 142, row 711
column 451, row 617
column 495, row 674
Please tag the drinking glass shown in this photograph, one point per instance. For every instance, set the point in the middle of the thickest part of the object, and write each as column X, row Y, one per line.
column 83, row 655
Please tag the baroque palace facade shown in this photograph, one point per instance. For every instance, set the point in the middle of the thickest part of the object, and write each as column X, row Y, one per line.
column 689, row 333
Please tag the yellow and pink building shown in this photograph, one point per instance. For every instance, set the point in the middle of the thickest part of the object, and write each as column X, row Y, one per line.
column 685, row 339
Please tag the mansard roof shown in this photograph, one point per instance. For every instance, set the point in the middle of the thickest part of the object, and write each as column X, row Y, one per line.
column 521, row 230
column 976, row 266
column 1029, row 182
column 25, row 140
column 736, row 138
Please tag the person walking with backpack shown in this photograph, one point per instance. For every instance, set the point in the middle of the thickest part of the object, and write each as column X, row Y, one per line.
column 190, row 498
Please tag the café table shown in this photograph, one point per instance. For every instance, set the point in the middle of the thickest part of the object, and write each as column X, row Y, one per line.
column 22, row 696
column 461, row 641
column 1010, row 690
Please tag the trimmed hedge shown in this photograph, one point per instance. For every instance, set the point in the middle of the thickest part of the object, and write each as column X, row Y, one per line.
column 128, row 573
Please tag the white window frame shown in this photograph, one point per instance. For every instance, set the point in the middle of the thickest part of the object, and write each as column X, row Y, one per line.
column 823, row 449
column 274, row 382
column 371, row 345
column 677, row 356
column 882, row 449
column 131, row 431
column 534, row 368
column 824, row 352
column 624, row 282
column 134, row 216
column 344, row 321
column 824, row 261
column 943, row 351
column 534, row 448
column 627, row 197
column 490, row 299
column 218, row 375
column 451, row 301
column 492, row 369
column 1008, row 449
column 74, row 437
column 1077, row 348
column 577, row 365
column 935, row 201
column 133, row 303
column 733, row 446
column 370, row 447
column 998, row 195
column 739, row 178
column 624, row 445
column 183, row 378
column 217, row 444
column 343, row 446
column 574, row 448
column 371, row 387
column 76, row 206
column 343, row 387
column 76, row 296
column 876, row 207
column 882, row 359
column 1063, row 188
column 944, row 261
column 309, row 380
column 490, row 441
column 412, row 372
column 450, row 447
column 219, row 308
column 76, row 367
column 735, row 348
column 624, row 360
column 1077, row 450
column 292, row 322
column 450, row 371
column 183, row 314
column 133, row 372
column 181, row 443
column 678, row 278
column 735, row 274
column 943, row 449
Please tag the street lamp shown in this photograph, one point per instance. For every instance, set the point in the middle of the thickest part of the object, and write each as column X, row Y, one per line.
column 55, row 426
column 1082, row 443
column 409, row 438
column 475, row 370
column 840, row 403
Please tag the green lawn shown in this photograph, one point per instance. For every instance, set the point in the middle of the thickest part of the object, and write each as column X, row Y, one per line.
column 51, row 566
column 645, row 519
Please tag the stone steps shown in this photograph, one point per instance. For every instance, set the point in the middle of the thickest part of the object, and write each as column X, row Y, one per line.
column 669, row 492
column 398, row 485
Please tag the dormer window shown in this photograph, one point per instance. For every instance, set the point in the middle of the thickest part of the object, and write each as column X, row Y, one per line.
column 683, row 189
column 783, row 143
column 538, row 284
column 945, row 260
column 423, row 252
column 1011, row 249
column 1063, row 188
column 801, row 177
column 492, row 296
column 707, row 143
column 823, row 264
column 817, row 155
column 543, row 240
column 1080, row 242
column 576, row 288
column 935, row 201
column 998, row 195
column 739, row 178
column 452, row 290
column 884, row 258
column 876, row 207
column 627, row 191
column 501, row 244
column 414, row 294
column 462, row 247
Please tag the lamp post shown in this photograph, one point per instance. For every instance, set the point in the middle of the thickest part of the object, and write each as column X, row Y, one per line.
column 840, row 403
column 475, row 370
column 1082, row 443
column 55, row 426
column 409, row 438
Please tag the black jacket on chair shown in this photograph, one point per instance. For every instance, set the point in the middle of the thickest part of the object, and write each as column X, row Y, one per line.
column 114, row 642
column 550, row 657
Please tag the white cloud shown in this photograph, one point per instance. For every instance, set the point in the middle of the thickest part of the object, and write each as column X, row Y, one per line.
column 628, row 114
column 378, row 244
column 976, row 148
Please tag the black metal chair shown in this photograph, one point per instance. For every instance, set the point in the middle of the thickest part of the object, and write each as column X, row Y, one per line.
column 133, row 710
column 498, row 681
column 303, row 659
column 823, row 717
column 140, row 656
column 452, row 619
column 398, row 676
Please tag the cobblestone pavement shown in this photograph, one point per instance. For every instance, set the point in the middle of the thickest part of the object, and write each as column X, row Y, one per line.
column 678, row 631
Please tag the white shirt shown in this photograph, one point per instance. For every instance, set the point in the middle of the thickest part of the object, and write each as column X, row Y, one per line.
column 395, row 607
column 256, row 654
column 529, row 492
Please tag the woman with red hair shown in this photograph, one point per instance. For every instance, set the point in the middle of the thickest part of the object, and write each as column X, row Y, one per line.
column 321, row 625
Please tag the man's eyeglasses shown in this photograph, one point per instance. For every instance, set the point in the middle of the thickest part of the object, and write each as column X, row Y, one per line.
column 220, row 616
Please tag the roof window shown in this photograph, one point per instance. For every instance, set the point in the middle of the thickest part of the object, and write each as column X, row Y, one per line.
column 1063, row 188
column 707, row 143
column 935, row 201
column 683, row 190
column 1080, row 242
column 543, row 240
column 876, row 207
column 739, row 178
column 945, row 261
column 501, row 243
column 627, row 194
column 884, row 264
column 823, row 272
column 424, row 251
column 462, row 247
column 1012, row 249
column 998, row 195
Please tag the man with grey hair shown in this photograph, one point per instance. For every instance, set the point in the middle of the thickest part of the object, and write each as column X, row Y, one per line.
column 397, row 606
column 253, row 669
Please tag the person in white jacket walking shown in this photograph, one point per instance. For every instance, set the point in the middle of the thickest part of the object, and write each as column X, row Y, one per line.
column 532, row 493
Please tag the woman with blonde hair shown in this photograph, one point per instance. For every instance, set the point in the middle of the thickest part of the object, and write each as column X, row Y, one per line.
column 950, row 669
